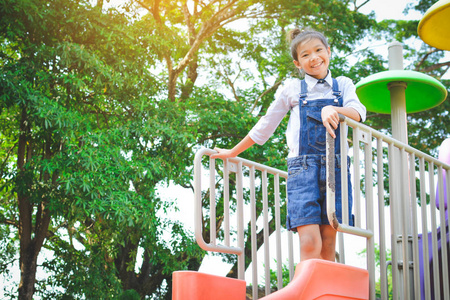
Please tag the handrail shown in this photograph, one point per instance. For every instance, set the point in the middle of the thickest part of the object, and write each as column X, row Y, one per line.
column 198, row 197
column 236, row 165
column 331, row 191
column 403, row 210
column 402, row 161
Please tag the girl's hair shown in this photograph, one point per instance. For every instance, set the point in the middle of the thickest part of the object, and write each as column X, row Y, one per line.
column 296, row 37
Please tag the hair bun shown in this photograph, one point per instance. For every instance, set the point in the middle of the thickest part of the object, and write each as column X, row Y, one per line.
column 293, row 33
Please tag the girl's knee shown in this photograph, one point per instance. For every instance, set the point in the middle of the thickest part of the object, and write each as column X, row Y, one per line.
column 310, row 244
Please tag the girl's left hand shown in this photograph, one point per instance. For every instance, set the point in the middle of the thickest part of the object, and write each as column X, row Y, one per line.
column 330, row 119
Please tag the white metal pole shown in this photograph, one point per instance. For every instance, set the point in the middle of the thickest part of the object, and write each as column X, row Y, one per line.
column 399, row 132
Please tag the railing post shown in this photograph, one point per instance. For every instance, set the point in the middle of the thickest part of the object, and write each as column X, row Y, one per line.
column 401, row 201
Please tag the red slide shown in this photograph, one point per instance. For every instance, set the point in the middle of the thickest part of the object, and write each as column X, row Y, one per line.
column 324, row 280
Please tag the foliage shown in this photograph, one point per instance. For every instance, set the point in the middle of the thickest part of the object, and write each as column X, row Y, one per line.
column 388, row 271
column 284, row 276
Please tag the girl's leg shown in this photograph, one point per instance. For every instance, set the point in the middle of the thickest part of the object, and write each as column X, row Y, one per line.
column 328, row 236
column 310, row 241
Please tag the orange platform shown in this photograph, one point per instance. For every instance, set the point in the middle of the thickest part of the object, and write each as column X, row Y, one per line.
column 314, row 279
column 190, row 285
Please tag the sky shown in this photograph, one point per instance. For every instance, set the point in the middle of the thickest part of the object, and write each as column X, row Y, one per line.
column 390, row 9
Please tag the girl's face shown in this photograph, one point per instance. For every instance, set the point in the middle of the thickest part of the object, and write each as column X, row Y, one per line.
column 313, row 58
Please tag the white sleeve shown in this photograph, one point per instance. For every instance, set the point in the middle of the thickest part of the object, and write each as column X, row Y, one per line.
column 267, row 125
column 350, row 98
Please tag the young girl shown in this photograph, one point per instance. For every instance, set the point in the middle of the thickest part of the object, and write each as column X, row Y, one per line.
column 314, row 103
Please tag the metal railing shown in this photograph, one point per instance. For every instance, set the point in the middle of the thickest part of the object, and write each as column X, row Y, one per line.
column 407, row 190
column 234, row 243
column 246, row 184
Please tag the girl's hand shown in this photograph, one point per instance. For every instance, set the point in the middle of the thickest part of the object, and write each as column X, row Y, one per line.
column 330, row 119
column 223, row 153
column 244, row 144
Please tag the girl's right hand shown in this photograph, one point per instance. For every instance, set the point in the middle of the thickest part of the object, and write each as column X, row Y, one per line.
column 223, row 153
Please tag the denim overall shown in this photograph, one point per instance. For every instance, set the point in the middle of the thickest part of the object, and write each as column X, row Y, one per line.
column 306, row 184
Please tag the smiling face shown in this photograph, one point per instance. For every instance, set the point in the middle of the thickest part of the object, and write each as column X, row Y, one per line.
column 313, row 58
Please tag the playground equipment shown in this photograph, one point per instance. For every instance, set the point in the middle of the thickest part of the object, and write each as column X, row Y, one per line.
column 434, row 27
column 399, row 92
column 238, row 177
column 441, row 204
column 311, row 277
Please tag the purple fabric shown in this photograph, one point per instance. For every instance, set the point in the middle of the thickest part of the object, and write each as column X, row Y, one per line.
column 431, row 260
column 444, row 156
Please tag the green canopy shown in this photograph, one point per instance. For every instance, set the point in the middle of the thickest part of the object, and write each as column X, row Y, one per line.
column 423, row 92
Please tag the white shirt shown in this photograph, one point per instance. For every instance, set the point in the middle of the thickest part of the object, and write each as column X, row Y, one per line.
column 287, row 100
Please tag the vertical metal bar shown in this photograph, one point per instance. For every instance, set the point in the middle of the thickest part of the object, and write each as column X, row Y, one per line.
column 253, row 234
column 356, row 177
column 436, row 280
column 341, row 248
column 392, row 198
column 290, row 235
column 330, row 180
column 369, row 213
column 404, row 222
column 240, row 220
column 226, row 202
column 426, row 255
column 443, row 222
column 344, row 174
column 380, row 179
column 212, row 200
column 291, row 254
column 198, row 216
column 415, row 233
column 447, row 177
column 278, row 231
column 266, row 232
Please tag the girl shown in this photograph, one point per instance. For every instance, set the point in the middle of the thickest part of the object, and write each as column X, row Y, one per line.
column 314, row 103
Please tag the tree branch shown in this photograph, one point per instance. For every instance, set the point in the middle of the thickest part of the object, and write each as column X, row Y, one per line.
column 10, row 222
column 6, row 159
column 436, row 66
column 425, row 57
column 361, row 5
column 187, row 19
column 153, row 10
column 275, row 86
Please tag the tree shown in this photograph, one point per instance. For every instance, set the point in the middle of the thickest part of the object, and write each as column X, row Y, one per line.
column 85, row 144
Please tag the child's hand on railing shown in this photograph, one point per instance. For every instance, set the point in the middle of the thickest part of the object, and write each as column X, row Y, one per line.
column 222, row 153
column 330, row 119
column 244, row 144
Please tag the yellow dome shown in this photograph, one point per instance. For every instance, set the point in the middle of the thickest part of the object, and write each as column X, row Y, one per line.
column 434, row 28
